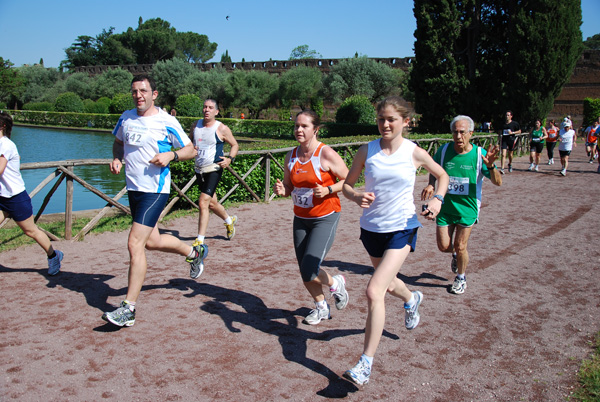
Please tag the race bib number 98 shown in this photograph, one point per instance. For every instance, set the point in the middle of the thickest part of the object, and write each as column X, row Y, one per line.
column 303, row 197
column 458, row 185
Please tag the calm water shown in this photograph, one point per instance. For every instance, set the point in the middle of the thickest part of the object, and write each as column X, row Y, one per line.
column 44, row 145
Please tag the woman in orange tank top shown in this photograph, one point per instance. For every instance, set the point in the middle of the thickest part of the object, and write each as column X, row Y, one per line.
column 313, row 175
column 551, row 141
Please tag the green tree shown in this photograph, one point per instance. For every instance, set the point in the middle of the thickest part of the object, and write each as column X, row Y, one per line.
column 169, row 76
column 152, row 41
column 194, row 47
column 356, row 109
column 206, row 84
column 112, row 82
column 120, row 103
column 39, row 81
column 359, row 76
column 300, row 85
column 79, row 83
column 254, row 90
column 225, row 57
column 592, row 43
column 11, row 82
column 481, row 57
column 68, row 102
column 82, row 52
column 189, row 105
column 303, row 52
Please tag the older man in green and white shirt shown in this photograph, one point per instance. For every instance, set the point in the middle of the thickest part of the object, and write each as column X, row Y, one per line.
column 466, row 165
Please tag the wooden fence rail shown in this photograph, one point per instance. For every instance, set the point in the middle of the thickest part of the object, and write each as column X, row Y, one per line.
column 267, row 158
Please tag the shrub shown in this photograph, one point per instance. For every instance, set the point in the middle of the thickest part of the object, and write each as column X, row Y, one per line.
column 356, row 109
column 68, row 102
column 189, row 105
column 591, row 111
column 40, row 106
column 96, row 107
column 121, row 103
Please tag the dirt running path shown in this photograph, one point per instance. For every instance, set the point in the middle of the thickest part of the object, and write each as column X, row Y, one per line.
column 235, row 334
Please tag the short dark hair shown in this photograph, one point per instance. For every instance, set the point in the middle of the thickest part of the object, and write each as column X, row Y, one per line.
column 6, row 124
column 144, row 77
column 213, row 101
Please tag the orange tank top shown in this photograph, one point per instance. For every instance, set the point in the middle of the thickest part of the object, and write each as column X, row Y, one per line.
column 552, row 134
column 304, row 177
column 591, row 135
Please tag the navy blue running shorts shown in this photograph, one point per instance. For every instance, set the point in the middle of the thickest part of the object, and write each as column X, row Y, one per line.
column 146, row 207
column 377, row 243
column 17, row 207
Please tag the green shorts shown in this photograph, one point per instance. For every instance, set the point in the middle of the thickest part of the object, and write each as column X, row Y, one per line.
column 447, row 220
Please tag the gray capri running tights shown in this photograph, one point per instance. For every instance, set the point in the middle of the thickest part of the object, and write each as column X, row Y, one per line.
column 312, row 240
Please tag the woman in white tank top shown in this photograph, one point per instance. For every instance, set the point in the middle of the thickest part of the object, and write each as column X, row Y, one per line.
column 389, row 222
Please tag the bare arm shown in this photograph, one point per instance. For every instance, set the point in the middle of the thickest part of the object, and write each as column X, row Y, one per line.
column 284, row 188
column 422, row 158
column 226, row 135
column 362, row 199
column 118, row 155
column 489, row 159
column 333, row 162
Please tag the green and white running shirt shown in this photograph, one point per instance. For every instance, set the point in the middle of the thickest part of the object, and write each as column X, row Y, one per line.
column 466, row 179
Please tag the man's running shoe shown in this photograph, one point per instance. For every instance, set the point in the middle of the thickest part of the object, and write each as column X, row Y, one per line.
column 411, row 315
column 501, row 171
column 54, row 263
column 563, row 172
column 197, row 264
column 231, row 228
column 316, row 315
column 122, row 317
column 591, row 161
column 459, row 286
column 359, row 374
column 454, row 264
column 341, row 295
column 530, row 168
column 509, row 168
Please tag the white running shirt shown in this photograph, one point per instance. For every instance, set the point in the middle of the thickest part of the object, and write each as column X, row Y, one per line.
column 11, row 182
column 143, row 138
column 208, row 144
column 392, row 179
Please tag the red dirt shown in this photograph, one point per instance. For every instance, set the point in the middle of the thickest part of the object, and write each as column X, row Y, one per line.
column 518, row 333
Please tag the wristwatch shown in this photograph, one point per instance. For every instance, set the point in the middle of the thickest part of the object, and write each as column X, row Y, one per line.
column 330, row 189
column 439, row 197
column 176, row 157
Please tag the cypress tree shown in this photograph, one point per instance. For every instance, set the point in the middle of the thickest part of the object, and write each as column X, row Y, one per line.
column 488, row 56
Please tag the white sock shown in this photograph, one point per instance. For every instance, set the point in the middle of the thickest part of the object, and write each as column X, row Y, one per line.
column 131, row 305
column 229, row 221
column 367, row 359
column 200, row 238
column 461, row 276
column 335, row 286
column 192, row 253
column 411, row 302
column 322, row 305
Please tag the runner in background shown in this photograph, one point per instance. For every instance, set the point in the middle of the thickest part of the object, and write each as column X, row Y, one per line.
column 552, row 132
column 536, row 145
column 591, row 141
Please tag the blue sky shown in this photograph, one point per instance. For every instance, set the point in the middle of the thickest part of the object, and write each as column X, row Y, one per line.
column 255, row 31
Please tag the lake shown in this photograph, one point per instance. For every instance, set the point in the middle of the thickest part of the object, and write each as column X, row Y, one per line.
column 45, row 145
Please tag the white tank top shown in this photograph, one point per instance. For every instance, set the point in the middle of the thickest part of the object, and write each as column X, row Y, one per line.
column 392, row 179
column 208, row 144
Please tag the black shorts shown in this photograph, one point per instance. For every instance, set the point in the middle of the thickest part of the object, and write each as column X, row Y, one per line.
column 536, row 147
column 564, row 153
column 508, row 142
column 207, row 182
